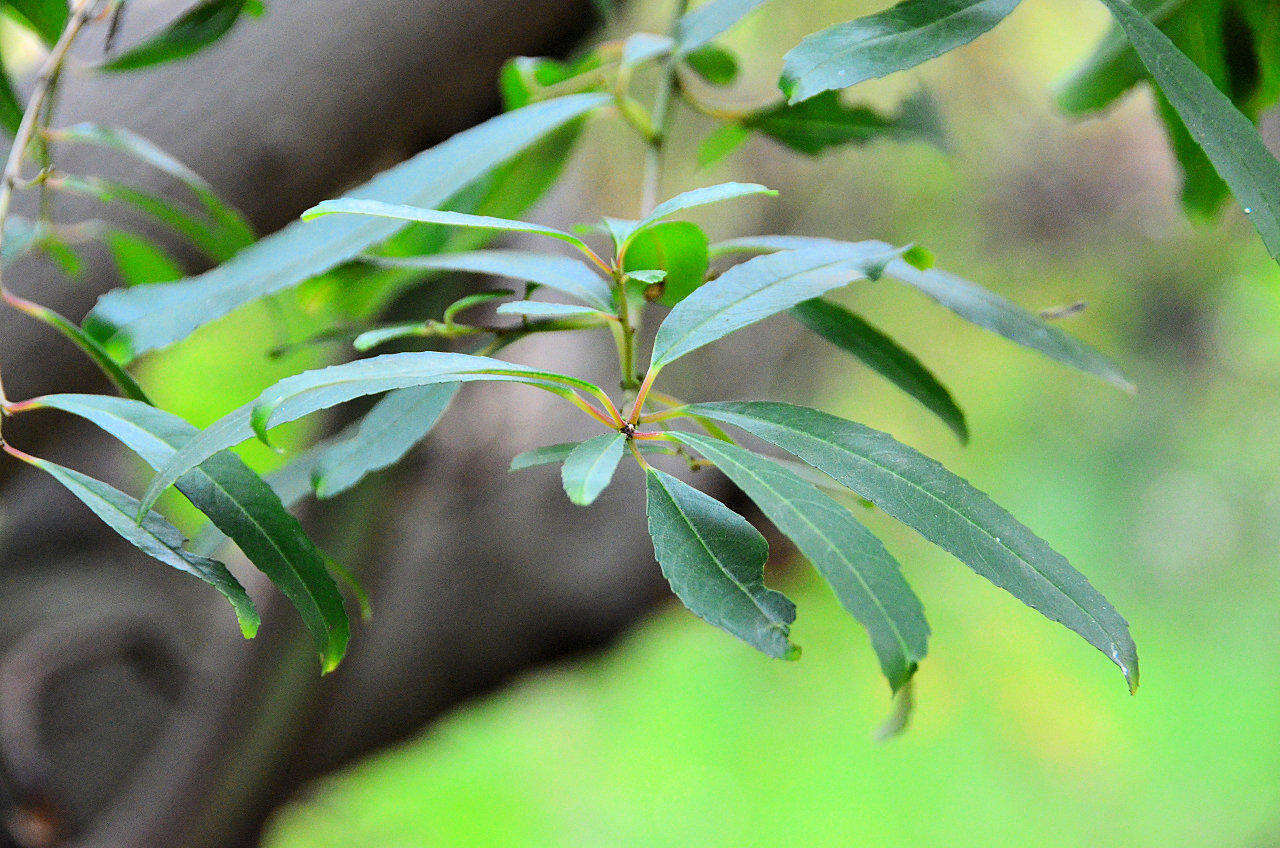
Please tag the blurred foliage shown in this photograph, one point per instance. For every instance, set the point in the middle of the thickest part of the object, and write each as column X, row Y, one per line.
column 1169, row 502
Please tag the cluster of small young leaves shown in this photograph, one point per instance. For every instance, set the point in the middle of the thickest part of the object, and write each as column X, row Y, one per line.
column 434, row 213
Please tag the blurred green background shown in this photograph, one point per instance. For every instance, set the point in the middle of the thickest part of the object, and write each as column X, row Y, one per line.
column 1169, row 501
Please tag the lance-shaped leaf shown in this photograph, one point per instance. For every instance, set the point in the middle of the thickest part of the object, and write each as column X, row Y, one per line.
column 46, row 18
column 237, row 501
column 691, row 200
column 970, row 301
column 590, row 466
column 133, row 321
column 538, row 310
column 138, row 261
column 385, row 434
column 193, row 31
column 308, row 392
column 825, row 121
column 864, row 576
column 561, row 273
column 401, row 212
column 155, row 536
column 714, row 560
column 1227, row 137
column 709, row 19
column 944, row 509
column 883, row 355
column 895, row 39
column 755, row 290
column 549, row 454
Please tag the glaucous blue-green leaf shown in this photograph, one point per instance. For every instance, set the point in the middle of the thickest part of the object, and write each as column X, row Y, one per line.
column 1227, row 137
column 880, row 353
column 713, row 63
column 308, row 392
column 385, row 434
column 538, row 310
column 707, row 20
column 714, row 560
column 237, row 501
column 825, row 121
column 549, row 454
column 155, row 536
column 400, row 212
column 642, row 47
column 864, row 576
column 898, row 38
column 589, row 467
column 193, row 31
column 971, row 302
column 131, row 322
column 692, row 199
column 561, row 273
column 755, row 290
column 944, row 509
column 677, row 247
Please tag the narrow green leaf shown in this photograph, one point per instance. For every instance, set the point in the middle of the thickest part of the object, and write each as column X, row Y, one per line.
column 400, row 212
column 714, row 560
column 134, row 321
column 562, row 273
column 46, row 18
column 864, row 576
column 677, row 247
column 714, row 64
column 155, row 537
column 538, row 310
column 308, row 392
column 968, row 300
column 549, row 454
column 898, row 38
column 462, row 304
column 691, row 199
column 726, row 139
column 755, row 290
column 11, row 108
column 138, row 261
column 944, row 509
column 238, row 502
column 710, row 19
column 1228, row 138
column 193, row 31
column 883, row 355
column 824, row 121
column 590, row 466
column 394, row 425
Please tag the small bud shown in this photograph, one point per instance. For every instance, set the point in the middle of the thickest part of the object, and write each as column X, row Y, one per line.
column 654, row 291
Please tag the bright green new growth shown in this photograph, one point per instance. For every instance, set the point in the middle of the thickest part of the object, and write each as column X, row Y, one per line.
column 435, row 213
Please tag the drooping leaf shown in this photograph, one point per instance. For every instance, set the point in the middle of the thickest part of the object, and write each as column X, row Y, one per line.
column 710, row 19
column 193, row 31
column 538, row 310
column 944, row 509
column 46, row 18
column 400, row 212
column 385, row 434
column 561, row 273
column 864, row 576
column 131, row 322
column 755, row 290
column 824, row 121
column 968, row 300
column 883, row 355
column 237, row 501
column 714, row 64
column 895, row 39
column 714, row 560
column 590, row 466
column 155, row 537
column 549, row 454
column 308, row 392
column 677, row 247
column 1227, row 137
